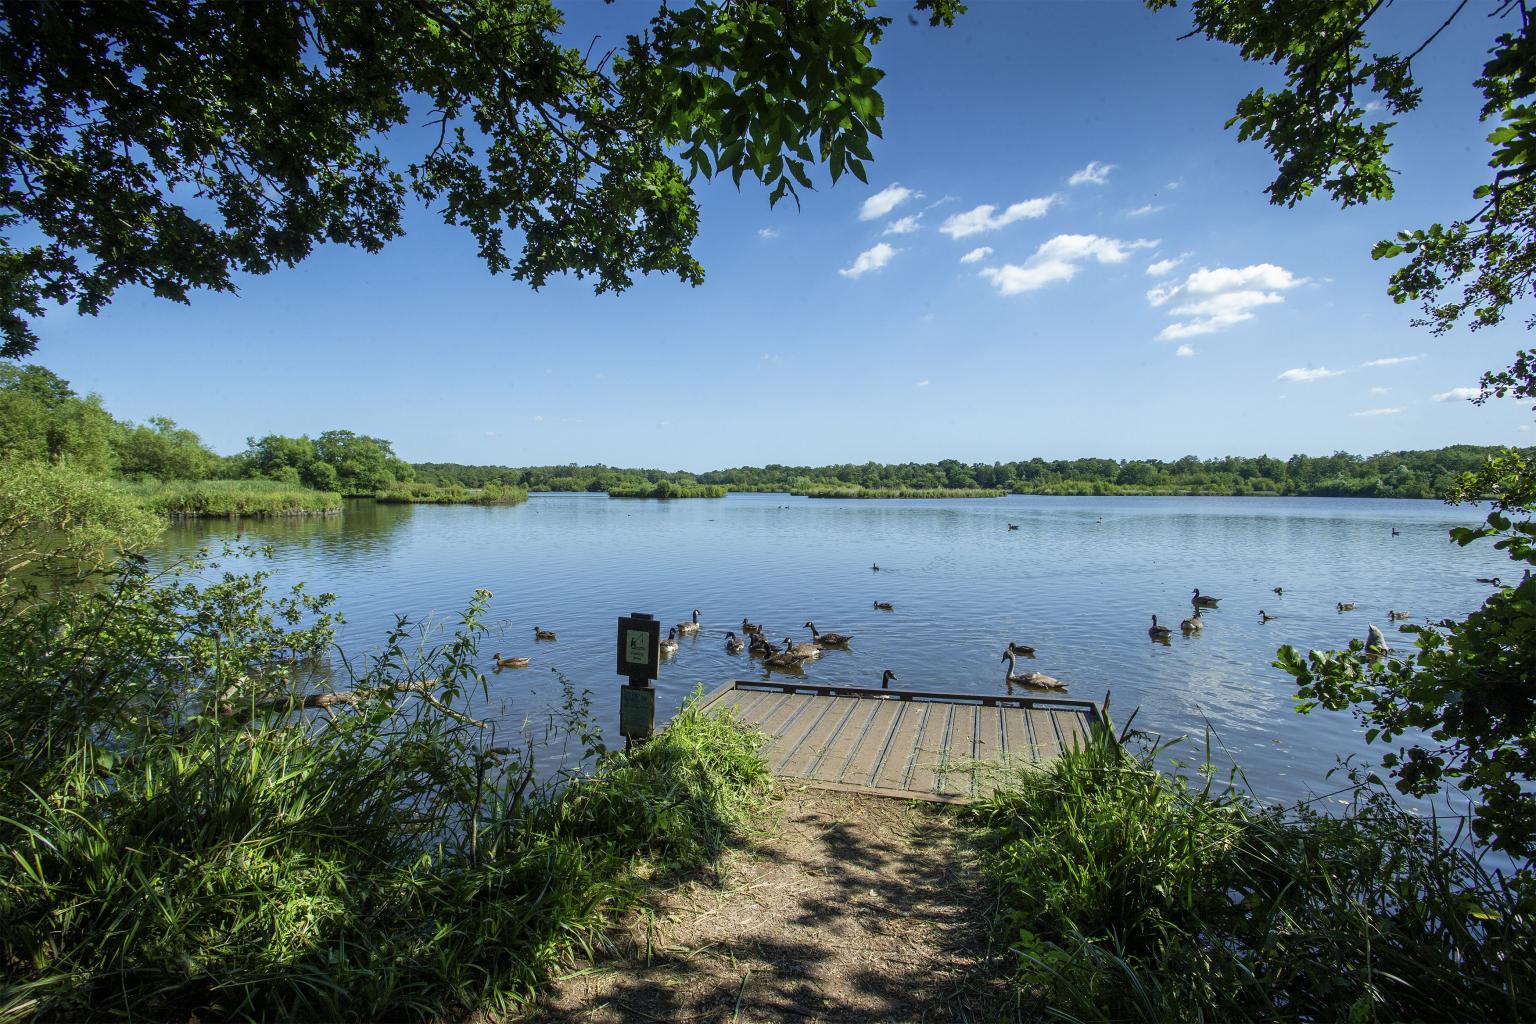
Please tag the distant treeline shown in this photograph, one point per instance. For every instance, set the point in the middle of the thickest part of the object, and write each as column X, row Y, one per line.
column 1403, row 474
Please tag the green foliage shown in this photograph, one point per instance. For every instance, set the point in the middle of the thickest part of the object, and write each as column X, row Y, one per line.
column 41, row 417
column 198, row 825
column 1128, row 894
column 338, row 460
column 667, row 489
column 58, row 523
column 163, row 451
column 113, row 114
column 453, row 494
column 855, row 491
column 191, row 499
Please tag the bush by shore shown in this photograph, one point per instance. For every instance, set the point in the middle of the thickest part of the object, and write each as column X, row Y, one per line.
column 191, row 499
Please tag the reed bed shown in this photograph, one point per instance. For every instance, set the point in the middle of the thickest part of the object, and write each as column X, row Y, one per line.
column 452, row 494
column 666, row 489
column 857, row 491
column 192, row 833
column 194, row 499
column 1127, row 894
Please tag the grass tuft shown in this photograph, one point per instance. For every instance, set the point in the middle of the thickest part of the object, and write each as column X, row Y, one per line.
column 184, row 499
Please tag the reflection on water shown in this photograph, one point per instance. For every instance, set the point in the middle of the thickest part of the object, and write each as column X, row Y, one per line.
column 1079, row 581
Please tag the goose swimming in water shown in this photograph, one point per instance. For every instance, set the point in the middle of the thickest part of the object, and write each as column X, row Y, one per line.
column 885, row 679
column 1193, row 624
column 828, row 639
column 669, row 644
column 689, row 627
column 1205, row 601
column 1375, row 643
column 1157, row 632
column 733, row 644
column 807, row 652
column 785, row 659
column 1264, row 616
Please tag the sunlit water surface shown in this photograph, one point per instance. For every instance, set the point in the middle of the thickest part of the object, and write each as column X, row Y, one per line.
column 1079, row 581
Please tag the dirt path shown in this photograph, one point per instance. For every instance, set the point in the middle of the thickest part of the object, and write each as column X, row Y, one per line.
column 840, row 908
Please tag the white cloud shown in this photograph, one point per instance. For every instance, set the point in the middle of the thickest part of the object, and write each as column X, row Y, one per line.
column 1221, row 298
column 1392, row 361
column 767, row 233
column 886, row 200
column 538, row 419
column 922, row 383
column 1446, row 396
column 1380, row 391
column 1184, row 350
column 977, row 255
column 1163, row 267
column 1524, row 426
column 490, row 433
column 870, row 259
column 983, row 218
column 1376, row 412
column 1142, row 211
column 903, row 225
column 1306, row 373
column 1059, row 260
column 1175, row 183
column 1094, row 174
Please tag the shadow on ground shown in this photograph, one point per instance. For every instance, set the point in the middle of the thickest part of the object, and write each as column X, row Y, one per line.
column 840, row 908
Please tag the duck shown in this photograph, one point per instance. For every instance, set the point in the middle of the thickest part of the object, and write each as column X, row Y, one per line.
column 885, row 679
column 1264, row 616
column 689, row 627
column 1193, row 624
column 1203, row 601
column 1492, row 581
column 1022, row 650
column 669, row 644
column 1375, row 643
column 1279, row 591
column 1392, row 615
column 760, row 647
column 1394, row 531
column 502, row 663
column 543, row 634
column 884, row 606
column 733, row 644
column 1013, row 526
column 1346, row 606
column 875, row 567
column 750, row 628
column 1157, row 632
column 807, row 652
column 1034, row 680
column 828, row 639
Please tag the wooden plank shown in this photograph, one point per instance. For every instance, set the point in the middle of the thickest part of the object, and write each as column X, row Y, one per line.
column 869, row 755
column 853, row 734
column 929, row 751
column 960, row 752
column 756, row 712
column 818, row 734
column 1072, row 729
column 893, row 769
column 734, row 698
column 989, row 750
column 1019, row 748
column 1047, row 743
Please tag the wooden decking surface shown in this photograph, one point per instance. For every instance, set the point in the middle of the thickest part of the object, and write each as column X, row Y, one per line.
column 914, row 745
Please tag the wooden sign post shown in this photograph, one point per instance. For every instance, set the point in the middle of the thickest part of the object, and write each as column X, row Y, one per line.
column 640, row 661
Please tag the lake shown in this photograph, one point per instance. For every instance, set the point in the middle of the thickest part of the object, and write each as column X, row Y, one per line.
column 1078, row 580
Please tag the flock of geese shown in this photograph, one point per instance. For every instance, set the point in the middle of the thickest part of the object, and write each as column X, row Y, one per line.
column 1375, row 642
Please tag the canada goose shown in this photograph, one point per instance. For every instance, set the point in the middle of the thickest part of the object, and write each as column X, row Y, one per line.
column 828, row 639
column 1279, row 591
column 689, row 627
column 1375, row 643
column 1013, row 526
column 1034, row 680
column 1394, row 531
column 543, row 634
column 808, row 652
column 760, row 647
column 1264, row 616
column 885, row 679
column 785, row 659
column 1346, row 606
column 1490, row 580
column 502, row 663
column 733, row 644
column 884, row 606
column 1193, row 624
column 1203, row 602
column 1392, row 615
column 669, row 644
column 1157, row 632
column 875, row 567
column 1022, row 650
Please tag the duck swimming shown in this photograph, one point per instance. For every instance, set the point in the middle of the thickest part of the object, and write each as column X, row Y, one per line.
column 502, row 663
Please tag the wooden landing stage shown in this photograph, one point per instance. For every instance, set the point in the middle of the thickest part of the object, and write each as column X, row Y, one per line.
column 949, row 747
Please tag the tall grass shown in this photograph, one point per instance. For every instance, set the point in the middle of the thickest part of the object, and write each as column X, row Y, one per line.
column 452, row 494
column 191, row 832
column 1127, row 894
column 184, row 499
column 667, row 489
column 857, row 491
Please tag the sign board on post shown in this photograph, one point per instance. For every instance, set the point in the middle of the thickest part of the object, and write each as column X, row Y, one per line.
column 639, row 651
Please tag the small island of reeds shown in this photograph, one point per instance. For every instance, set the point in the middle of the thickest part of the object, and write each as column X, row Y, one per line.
column 667, row 489
column 856, row 491
column 206, row 499
column 451, row 494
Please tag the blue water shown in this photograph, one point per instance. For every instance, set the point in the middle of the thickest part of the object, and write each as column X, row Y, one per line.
column 1079, row 581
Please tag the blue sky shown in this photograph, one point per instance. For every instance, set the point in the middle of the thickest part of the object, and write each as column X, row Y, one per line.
column 1060, row 253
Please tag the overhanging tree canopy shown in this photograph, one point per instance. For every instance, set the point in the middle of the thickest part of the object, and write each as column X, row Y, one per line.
column 176, row 143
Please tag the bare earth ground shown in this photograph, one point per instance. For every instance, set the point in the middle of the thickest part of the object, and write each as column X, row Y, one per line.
column 839, row 907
